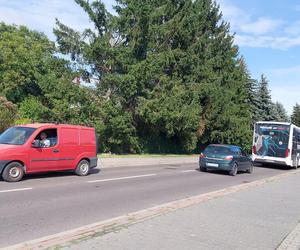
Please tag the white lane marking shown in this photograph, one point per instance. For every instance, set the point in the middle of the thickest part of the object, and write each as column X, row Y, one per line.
column 187, row 171
column 15, row 190
column 123, row 178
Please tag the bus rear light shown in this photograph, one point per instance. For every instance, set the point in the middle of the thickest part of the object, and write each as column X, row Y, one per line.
column 254, row 149
column 287, row 152
column 228, row 158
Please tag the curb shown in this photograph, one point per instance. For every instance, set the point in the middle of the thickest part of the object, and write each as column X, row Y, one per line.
column 292, row 240
column 144, row 163
column 87, row 232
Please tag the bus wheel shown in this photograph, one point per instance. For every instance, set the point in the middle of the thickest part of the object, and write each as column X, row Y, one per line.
column 13, row 172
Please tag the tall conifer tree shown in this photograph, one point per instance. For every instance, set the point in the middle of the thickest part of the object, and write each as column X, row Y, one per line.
column 296, row 115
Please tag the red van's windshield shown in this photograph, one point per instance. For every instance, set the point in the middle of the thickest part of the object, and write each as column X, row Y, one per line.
column 16, row 135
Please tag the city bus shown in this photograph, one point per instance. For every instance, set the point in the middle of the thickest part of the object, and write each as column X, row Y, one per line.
column 276, row 143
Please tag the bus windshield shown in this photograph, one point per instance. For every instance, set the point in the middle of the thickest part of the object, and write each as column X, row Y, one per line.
column 16, row 135
column 271, row 139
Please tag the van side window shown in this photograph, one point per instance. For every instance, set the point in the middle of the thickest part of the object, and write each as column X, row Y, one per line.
column 46, row 138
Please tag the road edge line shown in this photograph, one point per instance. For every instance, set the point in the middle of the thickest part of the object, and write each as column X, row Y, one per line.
column 73, row 236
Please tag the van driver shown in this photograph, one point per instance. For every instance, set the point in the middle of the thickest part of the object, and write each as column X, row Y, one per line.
column 44, row 142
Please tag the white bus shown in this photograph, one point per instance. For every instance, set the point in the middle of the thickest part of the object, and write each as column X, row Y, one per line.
column 276, row 143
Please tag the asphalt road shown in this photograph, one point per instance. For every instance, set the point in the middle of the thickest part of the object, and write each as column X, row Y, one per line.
column 45, row 204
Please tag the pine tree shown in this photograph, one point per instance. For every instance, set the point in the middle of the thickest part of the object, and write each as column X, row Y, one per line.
column 280, row 113
column 295, row 118
column 251, row 88
column 265, row 104
column 169, row 69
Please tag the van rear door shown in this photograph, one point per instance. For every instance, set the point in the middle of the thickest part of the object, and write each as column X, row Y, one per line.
column 88, row 142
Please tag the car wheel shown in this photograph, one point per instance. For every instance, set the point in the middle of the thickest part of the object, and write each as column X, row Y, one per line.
column 203, row 169
column 234, row 169
column 13, row 172
column 83, row 168
column 250, row 169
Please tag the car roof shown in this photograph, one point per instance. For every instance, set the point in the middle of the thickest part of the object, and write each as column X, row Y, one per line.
column 224, row 145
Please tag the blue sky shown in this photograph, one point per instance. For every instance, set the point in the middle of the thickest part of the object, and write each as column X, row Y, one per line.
column 267, row 32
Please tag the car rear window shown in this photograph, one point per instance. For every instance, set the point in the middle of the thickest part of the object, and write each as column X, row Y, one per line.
column 217, row 150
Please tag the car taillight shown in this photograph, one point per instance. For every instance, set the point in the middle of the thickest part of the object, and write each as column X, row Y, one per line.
column 254, row 149
column 287, row 152
column 202, row 155
column 228, row 158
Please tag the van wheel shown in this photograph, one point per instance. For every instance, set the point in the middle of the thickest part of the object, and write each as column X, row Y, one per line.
column 13, row 172
column 83, row 168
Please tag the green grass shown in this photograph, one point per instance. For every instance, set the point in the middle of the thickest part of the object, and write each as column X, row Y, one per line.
column 144, row 155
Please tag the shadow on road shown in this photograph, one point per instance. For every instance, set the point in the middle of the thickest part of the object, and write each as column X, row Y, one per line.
column 56, row 174
column 220, row 172
column 272, row 166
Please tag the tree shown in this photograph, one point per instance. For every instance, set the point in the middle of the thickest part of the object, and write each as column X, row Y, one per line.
column 265, row 104
column 21, row 55
column 280, row 113
column 251, row 89
column 7, row 113
column 39, row 82
column 296, row 115
column 168, row 69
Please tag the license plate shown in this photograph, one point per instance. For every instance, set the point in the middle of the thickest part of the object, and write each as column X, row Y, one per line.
column 212, row 165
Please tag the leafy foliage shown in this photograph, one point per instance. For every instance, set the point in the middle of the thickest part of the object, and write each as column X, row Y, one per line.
column 40, row 83
column 296, row 115
column 7, row 113
column 169, row 77
column 167, row 69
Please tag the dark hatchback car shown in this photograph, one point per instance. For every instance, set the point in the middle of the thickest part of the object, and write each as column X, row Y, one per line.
column 225, row 157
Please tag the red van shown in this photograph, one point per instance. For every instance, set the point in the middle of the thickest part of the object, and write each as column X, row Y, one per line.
column 39, row 147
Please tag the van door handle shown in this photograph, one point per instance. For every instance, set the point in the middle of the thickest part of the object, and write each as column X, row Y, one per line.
column 55, row 150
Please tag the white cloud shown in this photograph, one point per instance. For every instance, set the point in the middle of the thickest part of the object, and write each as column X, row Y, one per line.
column 261, row 26
column 242, row 21
column 233, row 14
column 260, row 32
column 40, row 15
column 288, row 95
column 293, row 29
column 285, row 85
column 274, row 42
column 285, row 71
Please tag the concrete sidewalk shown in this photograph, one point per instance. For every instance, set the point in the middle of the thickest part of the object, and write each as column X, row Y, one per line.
column 145, row 161
column 263, row 217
